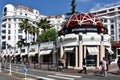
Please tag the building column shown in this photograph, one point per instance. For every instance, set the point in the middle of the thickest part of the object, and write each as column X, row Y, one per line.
column 54, row 57
column 38, row 52
column 61, row 49
column 98, row 58
column 102, row 49
column 80, row 51
column 76, row 57
column 85, row 52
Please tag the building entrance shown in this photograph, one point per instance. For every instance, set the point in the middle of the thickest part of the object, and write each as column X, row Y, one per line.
column 70, row 59
column 91, row 60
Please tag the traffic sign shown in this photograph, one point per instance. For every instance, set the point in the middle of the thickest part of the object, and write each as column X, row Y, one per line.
column 26, row 68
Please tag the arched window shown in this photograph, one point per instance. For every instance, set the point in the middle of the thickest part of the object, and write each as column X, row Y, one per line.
column 5, row 11
column 112, row 26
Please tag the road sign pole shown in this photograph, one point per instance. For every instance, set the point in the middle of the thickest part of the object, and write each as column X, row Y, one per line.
column 0, row 66
column 10, row 68
column 25, row 75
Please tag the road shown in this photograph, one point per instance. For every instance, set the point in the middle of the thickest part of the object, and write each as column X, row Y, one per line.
column 33, row 74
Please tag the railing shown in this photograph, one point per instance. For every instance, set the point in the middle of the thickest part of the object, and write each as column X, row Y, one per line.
column 46, row 66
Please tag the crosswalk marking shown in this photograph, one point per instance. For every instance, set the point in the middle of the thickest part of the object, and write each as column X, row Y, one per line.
column 61, row 77
column 69, row 75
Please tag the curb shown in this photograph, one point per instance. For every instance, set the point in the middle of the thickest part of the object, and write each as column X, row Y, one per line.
column 27, row 79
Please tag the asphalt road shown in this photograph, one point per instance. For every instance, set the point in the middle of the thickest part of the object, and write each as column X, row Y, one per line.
column 34, row 74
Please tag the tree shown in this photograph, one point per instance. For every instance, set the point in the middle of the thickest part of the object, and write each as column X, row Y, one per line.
column 34, row 31
column 49, row 35
column 44, row 24
column 73, row 5
column 21, row 42
column 25, row 25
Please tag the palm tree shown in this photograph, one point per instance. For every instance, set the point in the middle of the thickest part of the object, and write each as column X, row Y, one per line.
column 25, row 25
column 44, row 24
column 34, row 31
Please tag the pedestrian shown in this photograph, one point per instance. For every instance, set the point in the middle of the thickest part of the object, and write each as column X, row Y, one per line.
column 118, row 63
column 84, row 66
column 104, row 67
column 59, row 64
column 109, row 58
column 63, row 62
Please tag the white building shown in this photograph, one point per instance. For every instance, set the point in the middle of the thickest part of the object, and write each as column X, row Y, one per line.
column 56, row 21
column 83, row 36
column 12, row 15
column 110, row 17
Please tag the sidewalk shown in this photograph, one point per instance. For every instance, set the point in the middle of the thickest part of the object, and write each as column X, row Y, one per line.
column 113, row 68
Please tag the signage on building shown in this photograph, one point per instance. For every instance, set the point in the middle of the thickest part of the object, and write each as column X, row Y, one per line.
column 47, row 45
column 85, row 29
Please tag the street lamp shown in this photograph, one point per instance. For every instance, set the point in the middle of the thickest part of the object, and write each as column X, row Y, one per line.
column 0, row 61
column 10, row 63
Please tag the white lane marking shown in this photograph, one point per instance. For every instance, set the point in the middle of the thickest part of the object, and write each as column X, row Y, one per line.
column 60, row 77
column 69, row 75
column 44, row 78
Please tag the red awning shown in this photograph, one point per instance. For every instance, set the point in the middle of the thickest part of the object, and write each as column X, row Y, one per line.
column 117, row 44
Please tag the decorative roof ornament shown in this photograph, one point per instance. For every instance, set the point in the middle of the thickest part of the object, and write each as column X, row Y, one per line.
column 83, row 19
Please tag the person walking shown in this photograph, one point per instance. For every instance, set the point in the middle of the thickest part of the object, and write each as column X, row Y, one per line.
column 63, row 62
column 104, row 67
column 118, row 63
column 84, row 66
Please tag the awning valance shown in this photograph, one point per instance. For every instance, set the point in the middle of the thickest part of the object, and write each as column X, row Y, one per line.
column 45, row 52
column 69, row 49
column 93, row 50
column 32, row 53
column 23, row 54
column 16, row 54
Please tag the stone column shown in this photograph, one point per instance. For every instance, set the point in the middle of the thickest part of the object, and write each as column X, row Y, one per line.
column 76, row 57
column 102, row 49
column 98, row 58
column 84, row 51
column 39, row 53
column 54, row 57
column 61, row 48
column 80, row 51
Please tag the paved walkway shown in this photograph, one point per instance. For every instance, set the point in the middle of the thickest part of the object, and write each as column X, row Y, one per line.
column 113, row 68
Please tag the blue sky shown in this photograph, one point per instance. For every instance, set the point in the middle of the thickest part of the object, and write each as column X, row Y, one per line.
column 56, row 7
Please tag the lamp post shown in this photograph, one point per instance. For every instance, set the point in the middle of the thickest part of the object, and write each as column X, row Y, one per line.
column 0, row 61
column 10, row 63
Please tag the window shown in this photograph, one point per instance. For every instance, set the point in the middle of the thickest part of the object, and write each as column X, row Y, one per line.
column 19, row 31
column 3, row 31
column 22, row 50
column 111, row 20
column 5, row 11
column 112, row 32
column 9, row 26
column 15, row 19
column 9, row 32
column 25, row 14
column 111, row 9
column 20, row 13
column 19, row 36
column 9, row 37
column 3, row 37
column 105, row 20
column 112, row 26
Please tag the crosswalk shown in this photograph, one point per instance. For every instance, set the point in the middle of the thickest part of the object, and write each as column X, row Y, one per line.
column 48, row 75
column 63, row 76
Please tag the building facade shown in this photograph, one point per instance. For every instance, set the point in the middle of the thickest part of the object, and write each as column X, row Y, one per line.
column 110, row 17
column 12, row 16
column 56, row 21
column 83, row 36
